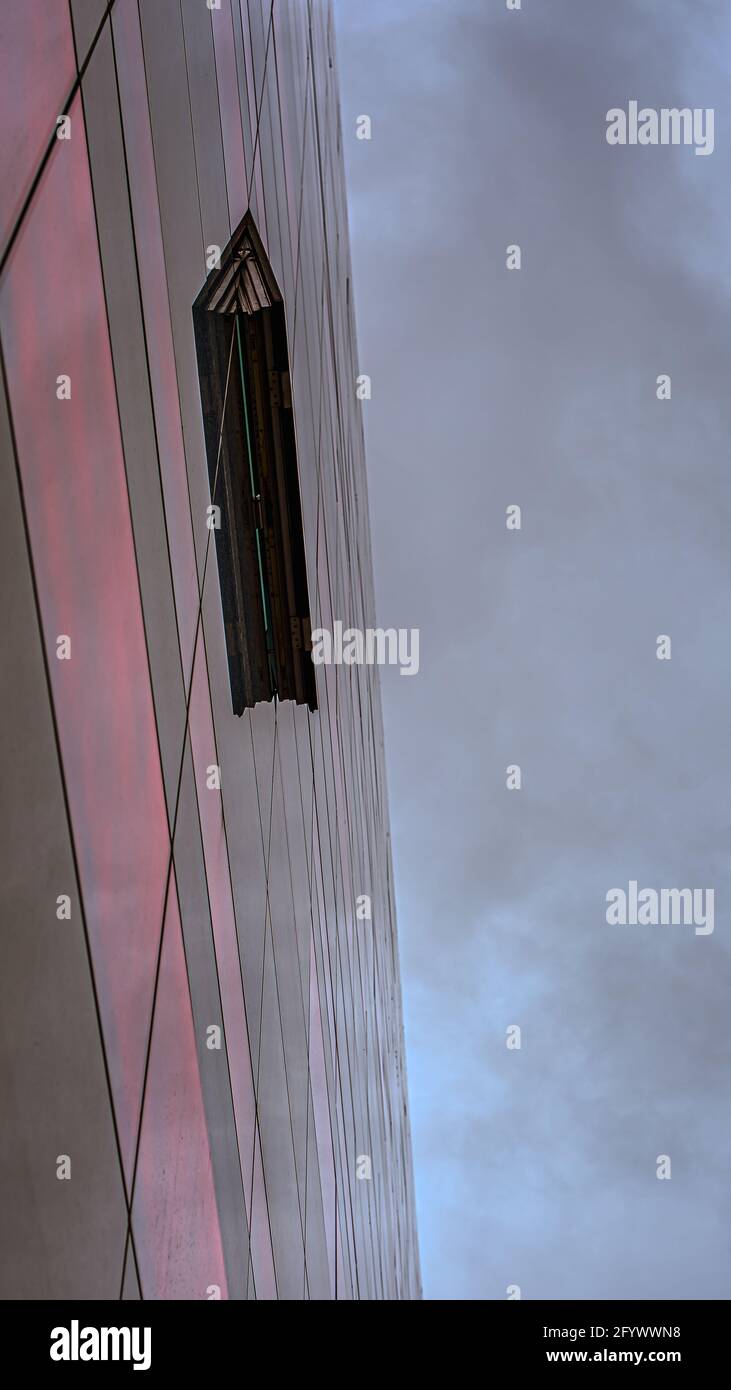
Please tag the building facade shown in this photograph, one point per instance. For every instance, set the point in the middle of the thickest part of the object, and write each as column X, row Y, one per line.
column 203, row 1081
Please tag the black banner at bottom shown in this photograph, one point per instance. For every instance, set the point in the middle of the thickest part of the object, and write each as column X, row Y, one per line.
column 202, row 1338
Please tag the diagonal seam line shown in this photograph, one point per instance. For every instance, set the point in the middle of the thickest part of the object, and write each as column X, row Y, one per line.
column 167, row 539
column 170, row 860
column 190, row 109
column 65, row 792
column 250, row 1265
column 257, row 1134
column 75, row 85
column 255, row 148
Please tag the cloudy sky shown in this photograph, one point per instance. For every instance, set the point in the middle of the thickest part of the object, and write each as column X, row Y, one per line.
column 538, row 387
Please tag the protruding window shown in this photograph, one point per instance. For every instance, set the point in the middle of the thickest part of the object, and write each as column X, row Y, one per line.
column 241, row 344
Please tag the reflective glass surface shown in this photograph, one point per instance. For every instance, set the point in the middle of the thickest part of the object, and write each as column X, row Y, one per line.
column 249, row 1020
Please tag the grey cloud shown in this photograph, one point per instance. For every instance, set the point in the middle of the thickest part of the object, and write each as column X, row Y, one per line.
column 538, row 648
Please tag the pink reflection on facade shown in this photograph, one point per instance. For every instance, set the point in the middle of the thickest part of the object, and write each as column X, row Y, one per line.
column 34, row 87
column 177, row 506
column 174, row 1215
column 156, row 310
column 72, row 466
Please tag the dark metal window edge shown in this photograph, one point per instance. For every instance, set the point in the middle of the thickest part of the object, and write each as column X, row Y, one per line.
column 243, row 368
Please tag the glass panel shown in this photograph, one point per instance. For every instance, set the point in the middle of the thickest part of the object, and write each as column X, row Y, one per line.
column 229, row 964
column 230, row 113
column 264, row 1280
column 55, row 333
column 285, row 1216
column 133, row 374
column 144, row 195
column 87, row 15
column 252, row 30
column 205, row 121
column 205, row 991
column 174, row 1215
column 131, row 1287
column 59, row 1239
column 36, row 39
column 290, row 66
column 323, row 1129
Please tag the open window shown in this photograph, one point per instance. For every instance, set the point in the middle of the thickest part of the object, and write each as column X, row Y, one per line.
column 243, row 366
